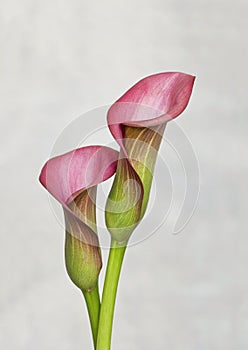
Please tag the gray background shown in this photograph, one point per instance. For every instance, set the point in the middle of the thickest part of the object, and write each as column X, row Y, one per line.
column 61, row 58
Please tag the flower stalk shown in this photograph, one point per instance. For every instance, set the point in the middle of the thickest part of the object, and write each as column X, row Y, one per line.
column 92, row 300
column 115, row 260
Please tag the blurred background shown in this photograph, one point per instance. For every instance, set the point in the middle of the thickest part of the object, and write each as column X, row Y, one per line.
column 59, row 59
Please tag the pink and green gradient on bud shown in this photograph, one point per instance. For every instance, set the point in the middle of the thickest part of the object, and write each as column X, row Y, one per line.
column 72, row 179
column 137, row 121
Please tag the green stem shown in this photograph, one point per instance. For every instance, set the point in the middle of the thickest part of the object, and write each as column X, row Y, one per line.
column 93, row 305
column 115, row 260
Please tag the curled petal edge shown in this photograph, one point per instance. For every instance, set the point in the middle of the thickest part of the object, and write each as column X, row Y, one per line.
column 152, row 101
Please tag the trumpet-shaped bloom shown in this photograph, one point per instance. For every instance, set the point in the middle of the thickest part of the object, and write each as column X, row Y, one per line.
column 137, row 121
column 72, row 179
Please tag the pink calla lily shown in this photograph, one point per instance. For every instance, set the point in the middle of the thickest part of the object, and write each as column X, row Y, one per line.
column 152, row 101
column 137, row 121
column 72, row 179
column 68, row 174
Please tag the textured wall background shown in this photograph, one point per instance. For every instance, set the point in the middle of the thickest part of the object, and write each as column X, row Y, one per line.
column 60, row 58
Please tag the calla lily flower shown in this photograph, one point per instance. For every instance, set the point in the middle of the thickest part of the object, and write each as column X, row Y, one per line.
column 137, row 121
column 72, row 179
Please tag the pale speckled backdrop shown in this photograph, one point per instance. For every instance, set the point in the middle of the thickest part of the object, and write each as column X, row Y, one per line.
column 61, row 58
